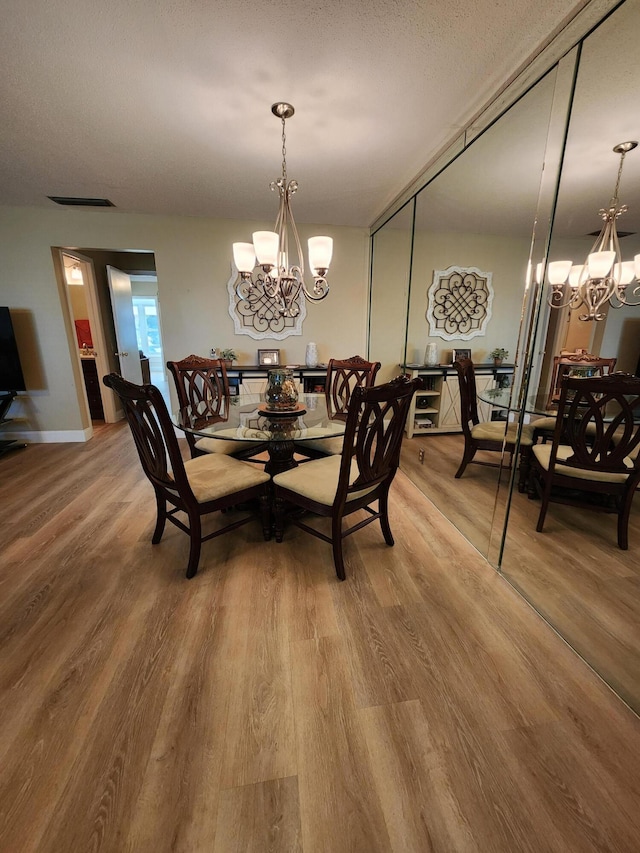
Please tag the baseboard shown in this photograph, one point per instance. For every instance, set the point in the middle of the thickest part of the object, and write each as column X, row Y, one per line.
column 48, row 436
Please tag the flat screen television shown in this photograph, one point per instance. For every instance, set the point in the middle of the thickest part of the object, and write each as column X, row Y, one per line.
column 11, row 378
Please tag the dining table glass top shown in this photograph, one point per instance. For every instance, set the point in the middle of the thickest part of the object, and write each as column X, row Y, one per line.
column 245, row 418
column 506, row 398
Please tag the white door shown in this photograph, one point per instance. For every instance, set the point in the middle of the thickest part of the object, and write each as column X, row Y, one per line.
column 122, row 304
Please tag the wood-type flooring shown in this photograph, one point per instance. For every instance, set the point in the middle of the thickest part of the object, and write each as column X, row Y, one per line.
column 572, row 572
column 421, row 705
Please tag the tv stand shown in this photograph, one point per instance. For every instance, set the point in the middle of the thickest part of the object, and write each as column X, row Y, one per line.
column 6, row 399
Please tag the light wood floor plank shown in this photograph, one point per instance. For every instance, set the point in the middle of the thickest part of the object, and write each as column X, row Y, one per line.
column 339, row 807
column 261, row 818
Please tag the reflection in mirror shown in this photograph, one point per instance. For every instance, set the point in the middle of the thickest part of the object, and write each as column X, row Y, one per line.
column 391, row 260
column 573, row 572
column 477, row 215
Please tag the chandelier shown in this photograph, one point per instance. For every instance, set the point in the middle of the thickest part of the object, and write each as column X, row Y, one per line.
column 278, row 281
column 604, row 277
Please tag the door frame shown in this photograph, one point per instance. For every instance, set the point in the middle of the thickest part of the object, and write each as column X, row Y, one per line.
column 111, row 413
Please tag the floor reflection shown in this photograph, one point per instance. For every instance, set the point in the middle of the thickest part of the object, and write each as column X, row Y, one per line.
column 573, row 573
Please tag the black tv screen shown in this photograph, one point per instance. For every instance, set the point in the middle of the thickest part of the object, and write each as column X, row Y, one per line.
column 11, row 378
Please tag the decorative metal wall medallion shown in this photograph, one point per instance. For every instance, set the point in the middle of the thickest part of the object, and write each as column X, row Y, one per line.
column 256, row 315
column 459, row 303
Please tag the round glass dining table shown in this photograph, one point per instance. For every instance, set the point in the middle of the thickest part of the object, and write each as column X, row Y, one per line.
column 501, row 398
column 247, row 418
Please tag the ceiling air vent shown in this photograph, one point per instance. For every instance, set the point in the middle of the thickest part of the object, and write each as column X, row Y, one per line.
column 620, row 233
column 81, row 202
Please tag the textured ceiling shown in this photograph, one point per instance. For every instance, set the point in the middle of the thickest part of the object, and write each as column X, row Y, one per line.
column 164, row 107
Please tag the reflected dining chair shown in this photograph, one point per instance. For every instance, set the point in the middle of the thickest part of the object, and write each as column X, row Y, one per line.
column 336, row 486
column 487, row 435
column 565, row 364
column 197, row 487
column 594, row 449
column 202, row 386
column 343, row 376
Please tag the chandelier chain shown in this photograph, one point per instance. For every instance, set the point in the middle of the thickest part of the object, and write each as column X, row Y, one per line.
column 615, row 192
column 284, row 152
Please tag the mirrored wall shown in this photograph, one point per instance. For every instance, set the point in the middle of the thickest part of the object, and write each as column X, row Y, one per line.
column 573, row 572
column 526, row 191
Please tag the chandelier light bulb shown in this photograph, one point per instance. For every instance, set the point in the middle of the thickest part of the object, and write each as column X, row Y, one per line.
column 557, row 271
column 266, row 246
column 320, row 253
column 636, row 262
column 600, row 263
column 624, row 273
column 575, row 274
column 244, row 256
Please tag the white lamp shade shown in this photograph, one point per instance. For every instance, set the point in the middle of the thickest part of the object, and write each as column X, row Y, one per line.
column 557, row 271
column 244, row 256
column 266, row 246
column 600, row 264
column 575, row 274
column 320, row 252
column 636, row 262
column 624, row 272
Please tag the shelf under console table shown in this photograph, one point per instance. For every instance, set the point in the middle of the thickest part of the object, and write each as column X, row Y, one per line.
column 436, row 409
column 252, row 378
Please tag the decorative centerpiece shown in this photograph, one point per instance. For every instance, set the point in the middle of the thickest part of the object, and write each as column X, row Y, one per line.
column 281, row 394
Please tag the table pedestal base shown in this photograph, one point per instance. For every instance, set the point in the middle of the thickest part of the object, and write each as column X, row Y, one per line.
column 280, row 457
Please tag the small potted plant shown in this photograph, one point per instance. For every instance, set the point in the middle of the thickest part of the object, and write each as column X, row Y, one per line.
column 228, row 356
column 498, row 355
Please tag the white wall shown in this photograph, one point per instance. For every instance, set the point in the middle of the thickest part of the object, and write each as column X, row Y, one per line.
column 193, row 266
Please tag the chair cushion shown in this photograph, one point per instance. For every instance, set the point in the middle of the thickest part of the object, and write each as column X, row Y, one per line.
column 548, row 423
column 216, row 475
column 318, row 480
column 494, row 431
column 224, row 446
column 542, row 452
column 330, row 446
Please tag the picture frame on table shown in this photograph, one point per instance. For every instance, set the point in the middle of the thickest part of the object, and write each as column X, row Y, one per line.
column 268, row 357
column 460, row 353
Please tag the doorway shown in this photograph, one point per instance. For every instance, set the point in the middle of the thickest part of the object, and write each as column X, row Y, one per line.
column 136, row 273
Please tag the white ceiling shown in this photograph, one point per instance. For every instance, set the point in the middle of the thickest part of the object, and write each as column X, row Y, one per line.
column 164, row 107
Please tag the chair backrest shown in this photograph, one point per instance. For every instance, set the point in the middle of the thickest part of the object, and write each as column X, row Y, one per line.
column 343, row 376
column 599, row 418
column 202, row 387
column 468, row 398
column 373, row 435
column 578, row 364
column 153, row 433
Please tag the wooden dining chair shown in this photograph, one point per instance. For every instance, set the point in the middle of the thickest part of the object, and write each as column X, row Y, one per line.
column 594, row 449
column 197, row 487
column 565, row 364
column 202, row 386
column 487, row 435
column 343, row 377
column 576, row 364
column 336, row 486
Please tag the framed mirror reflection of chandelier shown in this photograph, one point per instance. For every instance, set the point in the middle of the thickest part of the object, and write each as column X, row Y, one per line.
column 493, row 206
